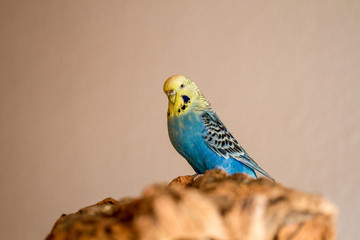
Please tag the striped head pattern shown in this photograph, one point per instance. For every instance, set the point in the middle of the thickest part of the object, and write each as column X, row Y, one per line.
column 183, row 94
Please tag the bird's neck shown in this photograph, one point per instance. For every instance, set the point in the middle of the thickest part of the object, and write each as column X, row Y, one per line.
column 202, row 103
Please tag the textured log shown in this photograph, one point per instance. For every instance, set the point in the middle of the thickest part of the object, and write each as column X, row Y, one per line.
column 213, row 206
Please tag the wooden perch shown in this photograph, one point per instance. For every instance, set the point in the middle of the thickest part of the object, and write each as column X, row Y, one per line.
column 214, row 206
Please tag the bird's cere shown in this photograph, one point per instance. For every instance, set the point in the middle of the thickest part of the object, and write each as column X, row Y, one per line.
column 171, row 92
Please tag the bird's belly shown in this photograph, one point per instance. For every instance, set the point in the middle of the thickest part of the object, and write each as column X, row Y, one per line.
column 187, row 136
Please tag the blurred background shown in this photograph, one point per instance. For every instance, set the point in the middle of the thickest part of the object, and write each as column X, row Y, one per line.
column 83, row 115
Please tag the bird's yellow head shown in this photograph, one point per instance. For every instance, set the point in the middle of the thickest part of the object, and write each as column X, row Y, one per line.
column 183, row 94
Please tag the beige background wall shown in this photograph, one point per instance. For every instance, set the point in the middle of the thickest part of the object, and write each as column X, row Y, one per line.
column 83, row 115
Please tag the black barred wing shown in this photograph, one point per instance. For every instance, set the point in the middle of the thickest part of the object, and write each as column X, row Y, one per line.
column 220, row 140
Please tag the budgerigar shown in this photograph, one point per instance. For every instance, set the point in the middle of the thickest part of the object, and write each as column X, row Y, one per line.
column 199, row 136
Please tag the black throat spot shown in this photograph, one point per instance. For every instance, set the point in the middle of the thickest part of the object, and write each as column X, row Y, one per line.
column 185, row 98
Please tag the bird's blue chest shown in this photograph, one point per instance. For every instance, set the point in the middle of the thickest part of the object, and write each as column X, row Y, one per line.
column 185, row 131
column 186, row 134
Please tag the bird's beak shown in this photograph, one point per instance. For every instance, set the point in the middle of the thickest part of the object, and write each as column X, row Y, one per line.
column 171, row 95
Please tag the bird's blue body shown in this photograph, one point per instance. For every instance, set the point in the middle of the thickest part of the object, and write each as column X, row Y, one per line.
column 187, row 134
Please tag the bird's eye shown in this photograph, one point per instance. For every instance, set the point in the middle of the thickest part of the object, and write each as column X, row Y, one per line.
column 182, row 86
